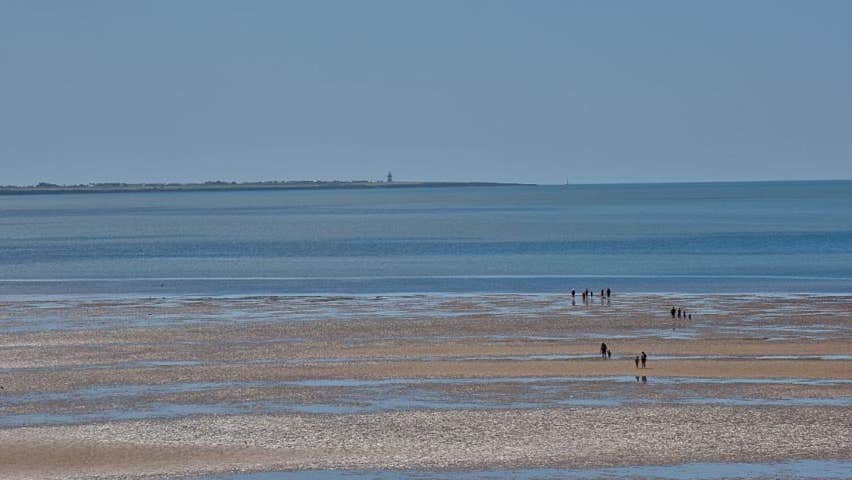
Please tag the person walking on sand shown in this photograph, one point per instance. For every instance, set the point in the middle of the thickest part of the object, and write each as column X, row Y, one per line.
column 608, row 293
column 636, row 361
column 573, row 293
column 644, row 359
column 674, row 310
column 608, row 354
column 603, row 350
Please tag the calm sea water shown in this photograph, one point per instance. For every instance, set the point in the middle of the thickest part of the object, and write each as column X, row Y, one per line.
column 737, row 237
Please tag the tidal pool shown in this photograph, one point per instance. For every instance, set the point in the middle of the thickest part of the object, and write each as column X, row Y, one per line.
column 798, row 469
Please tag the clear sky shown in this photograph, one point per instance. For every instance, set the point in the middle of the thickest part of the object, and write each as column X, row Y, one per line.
column 533, row 91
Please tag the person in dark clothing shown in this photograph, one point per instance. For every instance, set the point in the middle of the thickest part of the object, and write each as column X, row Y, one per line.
column 678, row 313
column 636, row 361
column 608, row 354
column 644, row 358
column 674, row 310
column 603, row 350
column 608, row 293
column 573, row 293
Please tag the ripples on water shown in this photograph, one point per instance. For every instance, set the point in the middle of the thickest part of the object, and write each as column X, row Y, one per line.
column 746, row 237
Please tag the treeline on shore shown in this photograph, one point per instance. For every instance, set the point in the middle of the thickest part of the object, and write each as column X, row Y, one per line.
column 119, row 187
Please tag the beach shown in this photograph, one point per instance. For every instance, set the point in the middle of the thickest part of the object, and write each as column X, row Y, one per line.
column 559, row 240
column 190, row 386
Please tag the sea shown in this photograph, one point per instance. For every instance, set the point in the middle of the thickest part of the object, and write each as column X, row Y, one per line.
column 765, row 237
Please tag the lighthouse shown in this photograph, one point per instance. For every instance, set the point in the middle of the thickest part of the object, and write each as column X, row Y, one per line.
column 390, row 177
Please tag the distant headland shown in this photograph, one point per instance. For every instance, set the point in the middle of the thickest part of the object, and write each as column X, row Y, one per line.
column 218, row 185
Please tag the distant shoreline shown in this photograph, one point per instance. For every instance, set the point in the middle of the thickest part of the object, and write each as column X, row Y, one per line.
column 46, row 189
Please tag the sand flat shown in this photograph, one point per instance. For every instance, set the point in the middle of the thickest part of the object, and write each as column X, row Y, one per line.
column 421, row 382
column 569, row 438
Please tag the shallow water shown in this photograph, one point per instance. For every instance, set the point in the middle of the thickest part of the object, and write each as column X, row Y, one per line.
column 347, row 396
column 821, row 318
column 798, row 469
column 116, row 391
column 407, row 358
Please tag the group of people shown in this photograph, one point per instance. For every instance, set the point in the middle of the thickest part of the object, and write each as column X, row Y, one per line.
column 606, row 354
column 640, row 358
column 586, row 294
column 678, row 312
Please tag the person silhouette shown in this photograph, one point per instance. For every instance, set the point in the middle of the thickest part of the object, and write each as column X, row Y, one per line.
column 603, row 350
column 636, row 361
column 644, row 358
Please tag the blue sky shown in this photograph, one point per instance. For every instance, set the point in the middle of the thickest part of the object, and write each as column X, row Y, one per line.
column 532, row 91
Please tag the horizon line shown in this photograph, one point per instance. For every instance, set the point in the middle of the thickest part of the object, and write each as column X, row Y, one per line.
column 693, row 182
column 118, row 183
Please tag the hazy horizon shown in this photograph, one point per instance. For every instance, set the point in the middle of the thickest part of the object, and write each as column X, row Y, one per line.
column 508, row 183
column 504, row 91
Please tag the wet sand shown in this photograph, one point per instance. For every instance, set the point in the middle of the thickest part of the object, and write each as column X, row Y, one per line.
column 108, row 388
